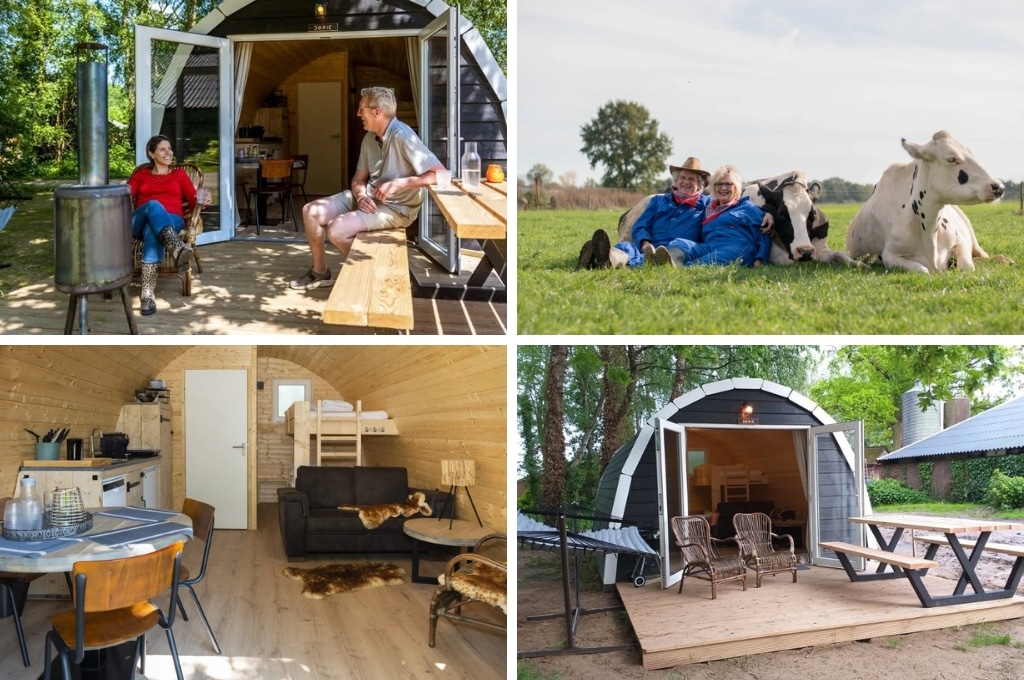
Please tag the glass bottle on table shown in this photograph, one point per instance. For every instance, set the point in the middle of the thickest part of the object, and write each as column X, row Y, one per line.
column 470, row 166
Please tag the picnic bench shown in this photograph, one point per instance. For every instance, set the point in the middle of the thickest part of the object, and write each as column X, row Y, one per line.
column 914, row 568
column 1017, row 551
column 478, row 213
column 373, row 286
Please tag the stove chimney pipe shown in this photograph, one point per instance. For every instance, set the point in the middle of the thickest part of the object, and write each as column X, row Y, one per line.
column 91, row 71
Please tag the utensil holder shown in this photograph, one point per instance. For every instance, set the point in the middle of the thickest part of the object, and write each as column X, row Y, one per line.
column 47, row 450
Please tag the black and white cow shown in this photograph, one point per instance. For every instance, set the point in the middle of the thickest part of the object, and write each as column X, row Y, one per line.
column 800, row 230
column 801, row 227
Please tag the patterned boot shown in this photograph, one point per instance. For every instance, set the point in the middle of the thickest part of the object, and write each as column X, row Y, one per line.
column 148, row 296
column 179, row 252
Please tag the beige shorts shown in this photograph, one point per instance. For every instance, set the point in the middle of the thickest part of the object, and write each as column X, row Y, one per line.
column 385, row 217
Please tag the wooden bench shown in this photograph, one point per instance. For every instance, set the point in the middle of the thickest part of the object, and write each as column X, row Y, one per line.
column 1003, row 548
column 373, row 286
column 883, row 556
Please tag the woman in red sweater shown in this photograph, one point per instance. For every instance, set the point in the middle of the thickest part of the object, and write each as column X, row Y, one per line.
column 159, row 193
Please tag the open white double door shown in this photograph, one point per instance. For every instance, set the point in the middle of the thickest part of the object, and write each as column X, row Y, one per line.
column 831, row 466
column 164, row 59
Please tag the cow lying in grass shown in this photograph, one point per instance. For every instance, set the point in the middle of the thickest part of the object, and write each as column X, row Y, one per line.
column 911, row 220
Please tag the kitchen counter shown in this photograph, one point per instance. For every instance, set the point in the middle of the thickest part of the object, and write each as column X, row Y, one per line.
column 87, row 465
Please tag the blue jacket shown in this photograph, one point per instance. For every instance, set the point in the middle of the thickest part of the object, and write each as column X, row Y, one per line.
column 665, row 220
column 739, row 227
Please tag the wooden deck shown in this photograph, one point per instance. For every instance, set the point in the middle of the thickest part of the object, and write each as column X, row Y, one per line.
column 243, row 290
column 823, row 607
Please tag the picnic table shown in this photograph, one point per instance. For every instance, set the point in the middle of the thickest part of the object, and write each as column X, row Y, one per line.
column 896, row 565
column 478, row 213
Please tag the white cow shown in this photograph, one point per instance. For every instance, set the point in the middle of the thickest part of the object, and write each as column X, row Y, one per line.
column 911, row 219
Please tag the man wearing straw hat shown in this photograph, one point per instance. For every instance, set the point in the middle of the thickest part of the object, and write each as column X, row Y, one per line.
column 667, row 217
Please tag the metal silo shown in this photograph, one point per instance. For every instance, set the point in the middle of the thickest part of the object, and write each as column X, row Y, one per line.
column 918, row 424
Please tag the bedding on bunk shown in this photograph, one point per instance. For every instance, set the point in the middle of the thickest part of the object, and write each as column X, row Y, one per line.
column 335, row 408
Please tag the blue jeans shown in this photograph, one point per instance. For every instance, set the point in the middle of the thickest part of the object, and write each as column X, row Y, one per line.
column 148, row 220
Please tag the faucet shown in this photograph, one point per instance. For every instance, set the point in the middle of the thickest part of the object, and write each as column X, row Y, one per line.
column 92, row 443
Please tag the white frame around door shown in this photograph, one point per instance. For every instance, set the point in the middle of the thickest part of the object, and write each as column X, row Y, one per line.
column 144, row 37
column 854, row 454
column 444, row 251
column 666, row 545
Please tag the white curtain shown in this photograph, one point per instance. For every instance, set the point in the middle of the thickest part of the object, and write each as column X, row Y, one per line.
column 243, row 55
column 412, row 51
column 800, row 446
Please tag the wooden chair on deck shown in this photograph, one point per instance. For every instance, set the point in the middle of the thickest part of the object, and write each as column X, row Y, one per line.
column 112, row 606
column 273, row 178
column 754, row 533
column 700, row 554
column 12, row 582
column 193, row 227
column 480, row 576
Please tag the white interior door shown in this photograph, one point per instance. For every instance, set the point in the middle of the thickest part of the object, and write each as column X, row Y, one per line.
column 321, row 114
column 174, row 71
column 835, row 488
column 216, row 443
column 673, row 501
column 439, row 126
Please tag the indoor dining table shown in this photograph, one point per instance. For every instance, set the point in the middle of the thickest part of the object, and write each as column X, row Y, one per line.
column 116, row 533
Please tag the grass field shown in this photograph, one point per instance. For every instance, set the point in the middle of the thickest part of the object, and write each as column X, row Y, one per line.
column 805, row 299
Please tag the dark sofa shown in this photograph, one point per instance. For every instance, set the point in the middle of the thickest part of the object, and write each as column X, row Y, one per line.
column 726, row 511
column 310, row 521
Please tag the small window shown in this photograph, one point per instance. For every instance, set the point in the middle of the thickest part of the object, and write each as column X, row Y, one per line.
column 286, row 393
column 693, row 459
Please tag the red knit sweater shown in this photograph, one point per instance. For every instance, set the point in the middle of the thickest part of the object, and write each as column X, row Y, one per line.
column 170, row 189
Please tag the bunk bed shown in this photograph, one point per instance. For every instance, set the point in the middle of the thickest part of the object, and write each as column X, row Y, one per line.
column 330, row 431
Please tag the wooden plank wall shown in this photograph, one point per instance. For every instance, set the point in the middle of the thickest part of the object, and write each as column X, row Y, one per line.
column 46, row 387
column 276, row 448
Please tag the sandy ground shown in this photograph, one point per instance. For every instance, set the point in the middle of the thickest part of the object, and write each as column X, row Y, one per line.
column 934, row 655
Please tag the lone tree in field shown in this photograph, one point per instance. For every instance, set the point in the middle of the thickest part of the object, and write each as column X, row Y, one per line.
column 625, row 139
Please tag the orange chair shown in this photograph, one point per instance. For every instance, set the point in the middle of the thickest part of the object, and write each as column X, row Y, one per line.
column 273, row 177
column 112, row 606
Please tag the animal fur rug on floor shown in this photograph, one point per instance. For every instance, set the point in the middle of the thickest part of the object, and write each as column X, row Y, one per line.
column 331, row 579
column 373, row 516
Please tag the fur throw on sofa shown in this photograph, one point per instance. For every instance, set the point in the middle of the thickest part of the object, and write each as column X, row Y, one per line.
column 373, row 516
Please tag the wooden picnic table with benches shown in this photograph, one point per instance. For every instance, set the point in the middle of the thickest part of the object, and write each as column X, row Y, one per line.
column 478, row 213
column 914, row 568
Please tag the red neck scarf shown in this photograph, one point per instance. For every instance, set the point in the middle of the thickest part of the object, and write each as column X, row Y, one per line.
column 715, row 208
column 690, row 200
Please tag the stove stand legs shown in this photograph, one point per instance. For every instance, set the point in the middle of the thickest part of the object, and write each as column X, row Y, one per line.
column 81, row 302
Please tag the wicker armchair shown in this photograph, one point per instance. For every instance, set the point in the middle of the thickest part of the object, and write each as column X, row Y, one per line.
column 193, row 227
column 700, row 554
column 754, row 533
column 480, row 576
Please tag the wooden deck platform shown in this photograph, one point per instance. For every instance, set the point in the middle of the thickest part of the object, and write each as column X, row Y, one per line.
column 243, row 290
column 823, row 607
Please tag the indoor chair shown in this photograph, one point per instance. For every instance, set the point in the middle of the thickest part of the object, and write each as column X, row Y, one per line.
column 273, row 177
column 478, row 576
column 754, row 533
column 188, row 235
column 112, row 606
column 300, row 168
column 201, row 515
column 10, row 582
column 701, row 557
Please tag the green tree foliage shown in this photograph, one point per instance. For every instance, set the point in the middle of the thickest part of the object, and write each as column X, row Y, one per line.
column 867, row 382
column 1004, row 492
column 836, row 190
column 893, row 492
column 490, row 17
column 625, row 140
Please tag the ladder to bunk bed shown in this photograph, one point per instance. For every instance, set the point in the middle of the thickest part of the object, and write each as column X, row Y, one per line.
column 344, row 448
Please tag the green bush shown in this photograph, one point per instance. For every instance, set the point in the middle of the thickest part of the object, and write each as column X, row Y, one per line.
column 893, row 492
column 1004, row 492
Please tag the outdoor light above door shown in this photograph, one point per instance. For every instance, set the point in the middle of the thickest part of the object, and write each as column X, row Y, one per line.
column 747, row 414
column 320, row 12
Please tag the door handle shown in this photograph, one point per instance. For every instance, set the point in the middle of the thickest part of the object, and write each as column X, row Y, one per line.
column 243, row 447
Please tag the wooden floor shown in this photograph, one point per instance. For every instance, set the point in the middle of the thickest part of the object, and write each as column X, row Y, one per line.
column 823, row 607
column 242, row 290
column 267, row 629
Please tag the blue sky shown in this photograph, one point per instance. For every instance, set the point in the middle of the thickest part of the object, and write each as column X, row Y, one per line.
column 826, row 87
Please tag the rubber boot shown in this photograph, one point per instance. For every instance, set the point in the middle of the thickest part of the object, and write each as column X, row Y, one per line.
column 661, row 257
column 602, row 249
column 586, row 256
column 179, row 252
column 148, row 296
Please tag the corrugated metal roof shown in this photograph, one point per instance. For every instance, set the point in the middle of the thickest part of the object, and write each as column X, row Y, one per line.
column 997, row 429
